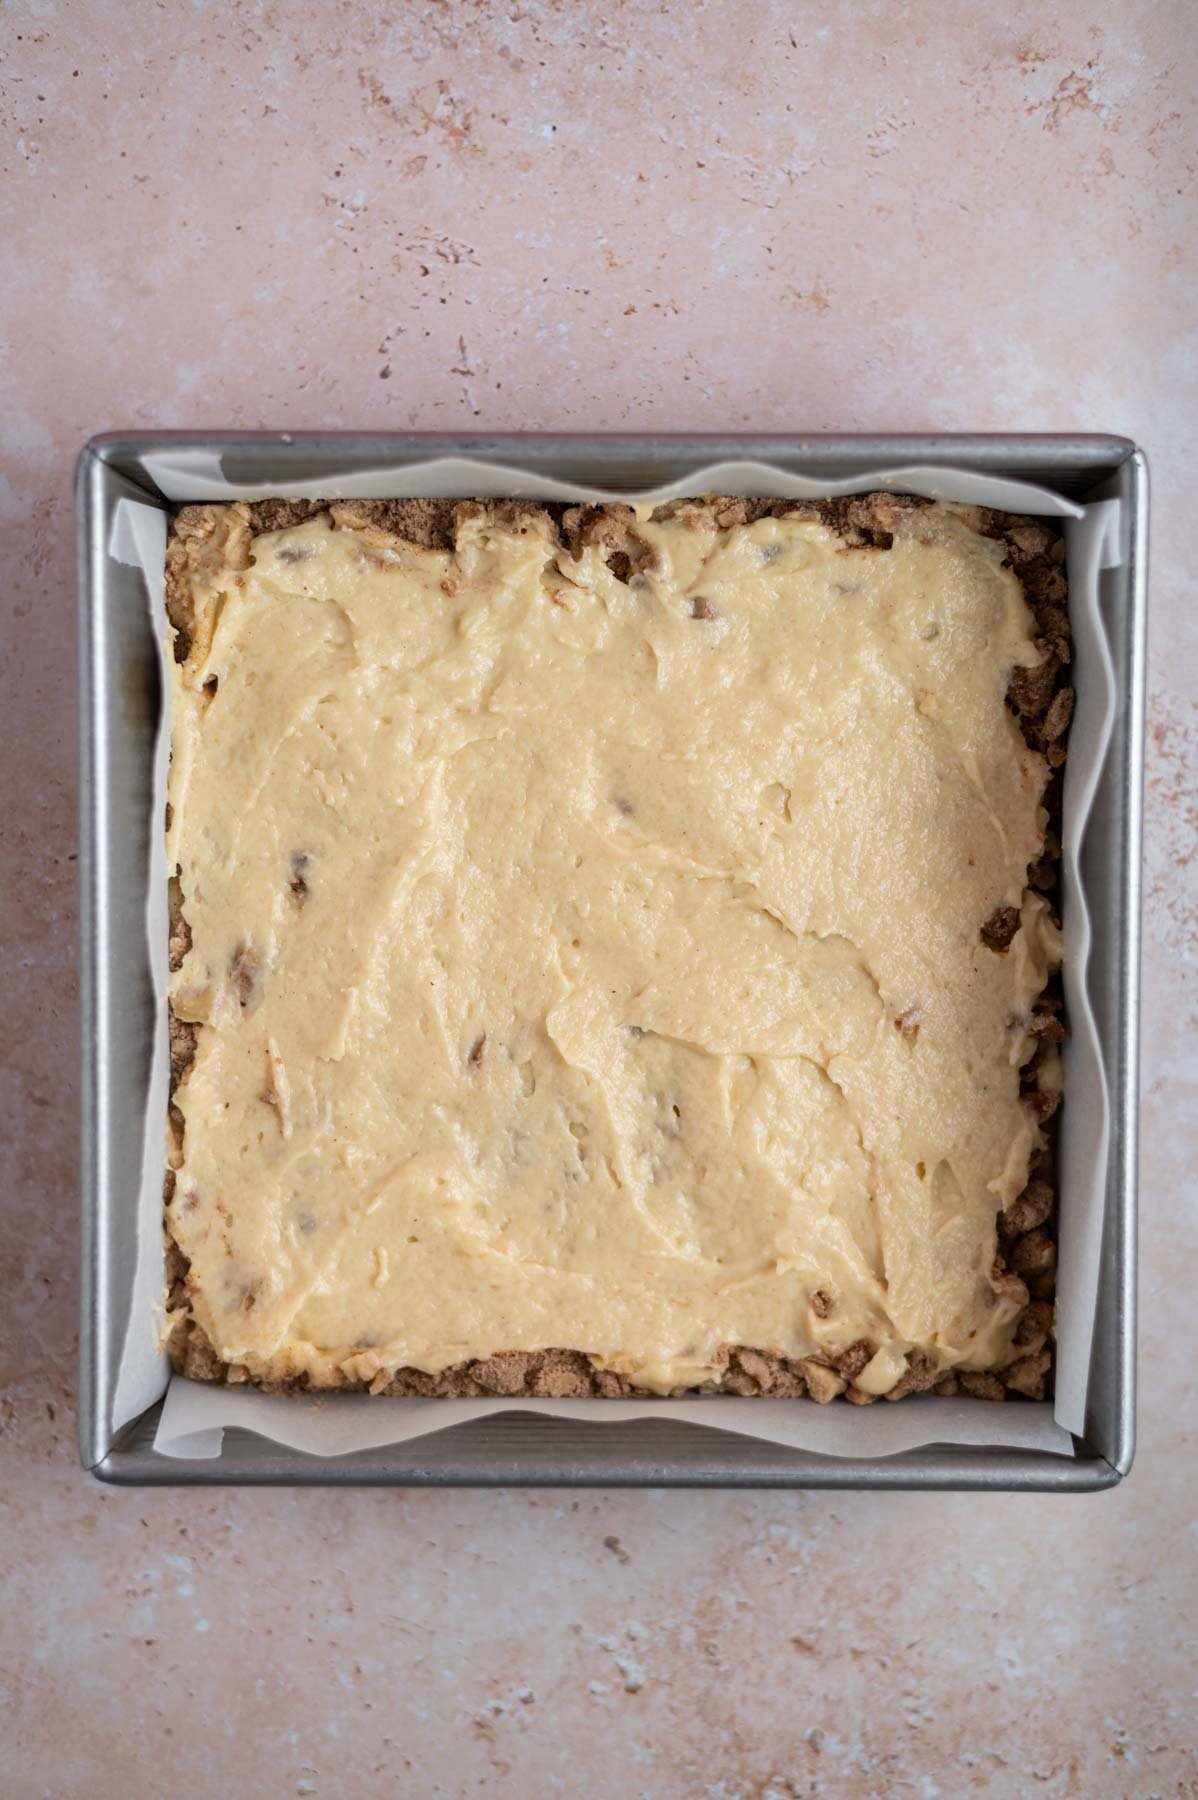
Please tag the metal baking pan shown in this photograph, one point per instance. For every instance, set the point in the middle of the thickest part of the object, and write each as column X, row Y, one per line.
column 119, row 708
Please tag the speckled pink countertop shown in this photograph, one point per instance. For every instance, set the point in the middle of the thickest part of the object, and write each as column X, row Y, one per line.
column 649, row 215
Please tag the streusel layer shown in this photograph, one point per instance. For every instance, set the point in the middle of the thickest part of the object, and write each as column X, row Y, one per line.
column 610, row 932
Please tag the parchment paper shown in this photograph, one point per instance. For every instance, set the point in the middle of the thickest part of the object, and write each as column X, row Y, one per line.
column 196, row 1414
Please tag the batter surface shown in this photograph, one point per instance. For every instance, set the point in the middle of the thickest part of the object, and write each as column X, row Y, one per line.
column 590, row 956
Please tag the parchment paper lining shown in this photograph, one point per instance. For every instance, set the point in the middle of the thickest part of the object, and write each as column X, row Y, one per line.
column 196, row 1414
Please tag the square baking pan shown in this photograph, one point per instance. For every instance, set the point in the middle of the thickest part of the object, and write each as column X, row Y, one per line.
column 120, row 700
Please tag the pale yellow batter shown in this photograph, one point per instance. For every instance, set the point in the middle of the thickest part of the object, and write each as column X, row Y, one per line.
column 597, row 965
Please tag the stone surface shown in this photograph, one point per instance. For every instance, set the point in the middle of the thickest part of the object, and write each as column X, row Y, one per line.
column 655, row 216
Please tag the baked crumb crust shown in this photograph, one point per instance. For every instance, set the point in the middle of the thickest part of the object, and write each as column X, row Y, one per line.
column 1042, row 702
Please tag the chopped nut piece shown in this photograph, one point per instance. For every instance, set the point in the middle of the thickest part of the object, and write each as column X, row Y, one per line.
column 823, row 1384
column 757, row 1368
